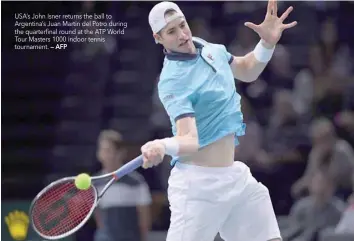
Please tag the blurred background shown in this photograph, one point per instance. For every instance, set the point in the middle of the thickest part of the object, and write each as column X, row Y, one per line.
column 299, row 113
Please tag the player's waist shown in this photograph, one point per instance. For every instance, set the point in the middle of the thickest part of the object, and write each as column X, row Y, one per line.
column 237, row 168
column 217, row 154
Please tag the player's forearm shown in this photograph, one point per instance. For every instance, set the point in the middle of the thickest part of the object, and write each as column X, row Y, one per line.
column 188, row 144
column 248, row 68
column 181, row 145
column 186, row 141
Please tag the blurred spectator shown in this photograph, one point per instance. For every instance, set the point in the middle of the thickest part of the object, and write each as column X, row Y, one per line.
column 244, row 41
column 124, row 211
column 285, row 134
column 333, row 99
column 240, row 7
column 309, row 83
column 330, row 152
column 250, row 147
column 159, row 119
column 325, row 80
column 336, row 54
column 275, row 152
column 93, row 51
column 201, row 28
column 319, row 210
column 346, row 223
column 281, row 74
column 306, row 83
column 345, row 124
column 259, row 97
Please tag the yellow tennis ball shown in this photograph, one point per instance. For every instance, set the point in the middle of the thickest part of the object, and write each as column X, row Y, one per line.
column 83, row 181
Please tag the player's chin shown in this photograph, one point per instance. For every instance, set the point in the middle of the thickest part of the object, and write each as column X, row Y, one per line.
column 185, row 48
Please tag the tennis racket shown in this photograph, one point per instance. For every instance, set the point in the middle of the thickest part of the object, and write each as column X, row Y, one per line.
column 61, row 209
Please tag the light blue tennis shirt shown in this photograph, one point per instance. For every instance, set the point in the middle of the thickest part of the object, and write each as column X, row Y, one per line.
column 202, row 85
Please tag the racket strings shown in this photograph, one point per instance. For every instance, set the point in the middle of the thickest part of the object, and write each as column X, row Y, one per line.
column 62, row 208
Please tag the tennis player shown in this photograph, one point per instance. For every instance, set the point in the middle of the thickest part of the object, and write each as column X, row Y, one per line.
column 208, row 191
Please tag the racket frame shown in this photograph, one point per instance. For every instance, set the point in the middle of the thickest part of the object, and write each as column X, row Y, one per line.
column 51, row 185
column 124, row 170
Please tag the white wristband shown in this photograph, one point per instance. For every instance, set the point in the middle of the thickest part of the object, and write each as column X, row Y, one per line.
column 263, row 54
column 171, row 145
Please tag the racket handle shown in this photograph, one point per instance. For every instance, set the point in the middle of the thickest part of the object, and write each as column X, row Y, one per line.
column 129, row 167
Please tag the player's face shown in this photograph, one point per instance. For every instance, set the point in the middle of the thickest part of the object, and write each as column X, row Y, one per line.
column 177, row 37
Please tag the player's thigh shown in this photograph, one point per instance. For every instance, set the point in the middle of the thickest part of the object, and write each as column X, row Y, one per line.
column 195, row 213
column 195, row 221
column 253, row 218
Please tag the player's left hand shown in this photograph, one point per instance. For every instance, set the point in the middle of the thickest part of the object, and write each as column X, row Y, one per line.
column 153, row 153
column 271, row 29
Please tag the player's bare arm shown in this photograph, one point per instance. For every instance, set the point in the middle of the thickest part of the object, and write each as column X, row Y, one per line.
column 247, row 68
column 187, row 136
column 184, row 143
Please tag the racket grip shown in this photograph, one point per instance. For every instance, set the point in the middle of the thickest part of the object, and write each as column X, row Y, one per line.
column 129, row 167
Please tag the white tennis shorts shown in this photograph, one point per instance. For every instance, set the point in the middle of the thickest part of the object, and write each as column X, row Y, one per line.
column 228, row 200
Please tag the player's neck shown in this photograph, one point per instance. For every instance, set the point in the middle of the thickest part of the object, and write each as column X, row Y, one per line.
column 192, row 51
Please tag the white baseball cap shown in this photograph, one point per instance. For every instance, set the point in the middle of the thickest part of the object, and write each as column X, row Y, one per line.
column 157, row 19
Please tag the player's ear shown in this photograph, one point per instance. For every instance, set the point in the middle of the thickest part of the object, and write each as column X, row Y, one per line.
column 157, row 37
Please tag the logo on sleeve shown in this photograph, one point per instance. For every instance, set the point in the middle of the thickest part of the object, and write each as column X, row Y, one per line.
column 168, row 97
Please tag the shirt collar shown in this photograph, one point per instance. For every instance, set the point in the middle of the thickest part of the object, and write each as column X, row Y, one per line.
column 184, row 56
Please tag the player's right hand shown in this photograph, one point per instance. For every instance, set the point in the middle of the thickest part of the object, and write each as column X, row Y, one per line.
column 153, row 153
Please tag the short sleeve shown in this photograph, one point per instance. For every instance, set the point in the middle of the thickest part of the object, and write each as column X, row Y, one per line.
column 175, row 99
column 227, row 54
